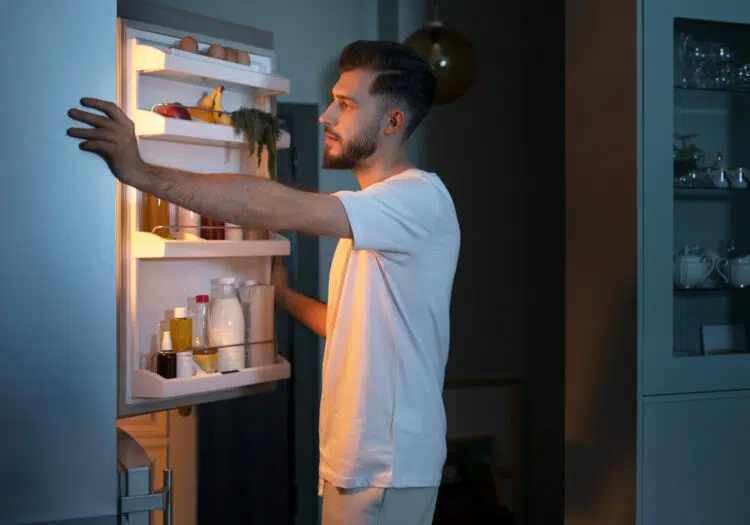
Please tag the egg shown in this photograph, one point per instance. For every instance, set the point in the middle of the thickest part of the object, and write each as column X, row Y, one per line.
column 231, row 54
column 188, row 44
column 243, row 58
column 216, row 51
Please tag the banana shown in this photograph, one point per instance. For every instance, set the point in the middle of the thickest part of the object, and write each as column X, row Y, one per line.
column 220, row 116
column 207, row 102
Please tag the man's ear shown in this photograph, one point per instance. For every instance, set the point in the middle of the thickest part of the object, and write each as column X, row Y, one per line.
column 396, row 122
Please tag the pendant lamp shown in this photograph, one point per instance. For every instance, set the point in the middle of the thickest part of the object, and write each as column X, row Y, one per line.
column 450, row 55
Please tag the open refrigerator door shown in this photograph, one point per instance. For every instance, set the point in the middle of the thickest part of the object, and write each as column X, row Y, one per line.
column 181, row 90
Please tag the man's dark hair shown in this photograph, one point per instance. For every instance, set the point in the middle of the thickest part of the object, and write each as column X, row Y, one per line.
column 403, row 76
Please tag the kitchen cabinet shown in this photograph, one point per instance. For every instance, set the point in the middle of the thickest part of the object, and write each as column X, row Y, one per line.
column 696, row 469
column 657, row 370
column 166, row 266
column 696, row 200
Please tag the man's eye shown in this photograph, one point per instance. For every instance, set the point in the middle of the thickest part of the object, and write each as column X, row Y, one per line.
column 343, row 104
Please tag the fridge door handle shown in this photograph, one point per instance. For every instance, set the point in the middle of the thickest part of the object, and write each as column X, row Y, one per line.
column 159, row 500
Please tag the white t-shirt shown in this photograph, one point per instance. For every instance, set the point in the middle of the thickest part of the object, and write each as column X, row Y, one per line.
column 382, row 420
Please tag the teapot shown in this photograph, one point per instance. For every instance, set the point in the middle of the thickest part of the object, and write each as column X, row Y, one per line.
column 692, row 268
column 736, row 271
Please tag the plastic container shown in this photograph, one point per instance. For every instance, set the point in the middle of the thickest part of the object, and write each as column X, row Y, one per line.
column 185, row 364
column 200, row 322
column 258, row 309
column 205, row 358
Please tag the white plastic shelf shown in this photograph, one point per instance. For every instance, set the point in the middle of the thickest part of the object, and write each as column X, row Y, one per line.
column 147, row 384
column 185, row 66
column 154, row 126
column 145, row 245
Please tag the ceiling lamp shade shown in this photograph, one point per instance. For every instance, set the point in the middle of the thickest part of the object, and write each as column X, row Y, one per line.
column 450, row 55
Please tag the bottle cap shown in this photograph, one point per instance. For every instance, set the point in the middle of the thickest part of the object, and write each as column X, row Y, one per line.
column 166, row 341
column 201, row 299
column 180, row 312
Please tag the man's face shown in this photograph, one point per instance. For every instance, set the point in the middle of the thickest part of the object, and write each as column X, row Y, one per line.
column 353, row 122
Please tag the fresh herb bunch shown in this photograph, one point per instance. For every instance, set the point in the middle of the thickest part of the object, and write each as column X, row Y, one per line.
column 260, row 128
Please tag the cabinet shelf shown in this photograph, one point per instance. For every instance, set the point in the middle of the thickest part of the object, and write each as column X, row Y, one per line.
column 739, row 90
column 145, row 245
column 707, row 192
column 176, row 64
column 151, row 125
column 699, row 353
column 713, row 289
column 147, row 384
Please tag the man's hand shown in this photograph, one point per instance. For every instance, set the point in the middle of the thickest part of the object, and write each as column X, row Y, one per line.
column 308, row 311
column 279, row 279
column 111, row 137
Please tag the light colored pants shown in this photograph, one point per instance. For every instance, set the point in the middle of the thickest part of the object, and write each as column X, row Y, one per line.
column 378, row 506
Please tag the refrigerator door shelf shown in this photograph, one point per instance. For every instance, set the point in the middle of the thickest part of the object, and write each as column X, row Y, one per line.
column 151, row 125
column 146, row 245
column 147, row 384
column 185, row 66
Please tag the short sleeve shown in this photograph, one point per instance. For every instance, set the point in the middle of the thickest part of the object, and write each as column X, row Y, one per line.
column 391, row 216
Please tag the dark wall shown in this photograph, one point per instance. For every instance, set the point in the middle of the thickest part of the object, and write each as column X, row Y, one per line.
column 500, row 151
column 476, row 145
column 543, row 460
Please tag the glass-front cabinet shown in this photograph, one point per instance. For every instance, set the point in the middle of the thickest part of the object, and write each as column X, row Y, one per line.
column 696, row 196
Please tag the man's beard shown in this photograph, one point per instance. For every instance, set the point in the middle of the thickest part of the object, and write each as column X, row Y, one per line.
column 355, row 152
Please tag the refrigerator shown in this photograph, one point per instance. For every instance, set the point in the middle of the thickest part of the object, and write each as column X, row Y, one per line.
column 86, row 286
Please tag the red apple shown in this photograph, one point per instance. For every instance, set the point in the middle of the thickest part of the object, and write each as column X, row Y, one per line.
column 172, row 110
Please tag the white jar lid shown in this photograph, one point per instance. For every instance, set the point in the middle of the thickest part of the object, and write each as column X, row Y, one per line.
column 180, row 311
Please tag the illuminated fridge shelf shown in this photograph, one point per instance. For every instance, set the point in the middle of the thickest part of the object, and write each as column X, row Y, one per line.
column 151, row 125
column 176, row 64
column 146, row 245
column 147, row 384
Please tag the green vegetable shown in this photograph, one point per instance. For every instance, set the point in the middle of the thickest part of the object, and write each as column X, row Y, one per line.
column 259, row 128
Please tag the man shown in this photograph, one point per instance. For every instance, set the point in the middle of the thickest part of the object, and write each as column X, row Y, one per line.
column 382, row 420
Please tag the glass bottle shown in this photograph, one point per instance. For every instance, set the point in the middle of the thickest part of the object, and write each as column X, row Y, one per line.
column 166, row 361
column 155, row 212
column 226, row 325
column 181, row 328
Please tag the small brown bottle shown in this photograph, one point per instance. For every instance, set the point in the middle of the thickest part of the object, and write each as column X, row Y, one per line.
column 166, row 361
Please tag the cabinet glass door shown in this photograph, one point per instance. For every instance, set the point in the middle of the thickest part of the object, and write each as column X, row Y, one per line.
column 696, row 196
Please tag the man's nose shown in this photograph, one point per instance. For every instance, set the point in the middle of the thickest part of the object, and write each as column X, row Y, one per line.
column 326, row 116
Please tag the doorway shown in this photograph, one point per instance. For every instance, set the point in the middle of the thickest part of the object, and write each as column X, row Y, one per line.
column 258, row 455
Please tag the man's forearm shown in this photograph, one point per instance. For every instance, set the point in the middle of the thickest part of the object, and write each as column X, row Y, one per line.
column 308, row 311
column 248, row 201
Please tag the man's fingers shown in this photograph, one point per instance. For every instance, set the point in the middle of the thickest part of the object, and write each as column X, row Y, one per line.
column 90, row 118
column 92, row 134
column 97, row 146
column 108, row 108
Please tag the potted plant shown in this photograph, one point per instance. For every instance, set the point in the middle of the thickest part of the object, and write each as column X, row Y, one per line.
column 686, row 154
